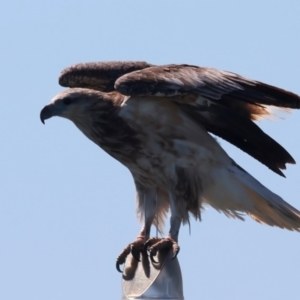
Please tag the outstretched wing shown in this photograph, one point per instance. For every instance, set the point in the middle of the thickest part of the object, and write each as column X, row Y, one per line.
column 223, row 102
column 100, row 75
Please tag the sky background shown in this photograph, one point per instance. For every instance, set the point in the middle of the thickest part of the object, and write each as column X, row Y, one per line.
column 67, row 208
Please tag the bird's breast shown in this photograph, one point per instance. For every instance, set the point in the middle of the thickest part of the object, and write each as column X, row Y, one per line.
column 167, row 136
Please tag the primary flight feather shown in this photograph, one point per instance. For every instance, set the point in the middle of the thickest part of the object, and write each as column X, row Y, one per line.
column 155, row 120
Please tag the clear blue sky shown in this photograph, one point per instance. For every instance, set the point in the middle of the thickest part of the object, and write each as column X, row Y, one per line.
column 67, row 209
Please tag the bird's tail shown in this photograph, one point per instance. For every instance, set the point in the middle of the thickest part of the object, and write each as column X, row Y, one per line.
column 234, row 192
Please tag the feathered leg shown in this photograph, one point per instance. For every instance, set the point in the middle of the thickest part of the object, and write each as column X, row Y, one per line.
column 147, row 205
column 154, row 245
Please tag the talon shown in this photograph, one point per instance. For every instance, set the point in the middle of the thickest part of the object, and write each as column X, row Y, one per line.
column 121, row 260
column 151, row 255
column 150, row 243
column 135, row 252
column 122, row 257
column 152, row 246
column 176, row 250
column 155, row 244
column 133, row 248
column 118, row 267
column 146, row 246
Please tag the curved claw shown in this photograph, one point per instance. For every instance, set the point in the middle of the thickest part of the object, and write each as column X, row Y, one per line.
column 156, row 244
column 118, row 267
column 146, row 246
column 133, row 248
column 135, row 252
column 149, row 243
column 175, row 252
column 151, row 255
column 122, row 257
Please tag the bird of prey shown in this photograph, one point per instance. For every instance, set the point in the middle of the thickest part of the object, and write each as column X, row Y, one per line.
column 156, row 121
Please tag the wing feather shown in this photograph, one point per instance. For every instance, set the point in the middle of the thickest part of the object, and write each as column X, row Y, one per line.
column 241, row 132
column 98, row 75
column 211, row 83
column 224, row 103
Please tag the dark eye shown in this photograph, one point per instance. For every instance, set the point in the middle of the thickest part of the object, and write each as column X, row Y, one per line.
column 67, row 101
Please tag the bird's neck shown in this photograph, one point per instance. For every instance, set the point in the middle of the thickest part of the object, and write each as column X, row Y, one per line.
column 109, row 131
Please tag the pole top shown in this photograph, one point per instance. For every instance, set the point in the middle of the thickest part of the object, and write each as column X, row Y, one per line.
column 146, row 280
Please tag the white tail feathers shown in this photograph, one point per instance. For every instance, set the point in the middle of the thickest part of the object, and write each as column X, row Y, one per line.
column 234, row 191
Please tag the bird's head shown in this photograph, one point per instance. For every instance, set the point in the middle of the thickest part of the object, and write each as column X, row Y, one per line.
column 74, row 103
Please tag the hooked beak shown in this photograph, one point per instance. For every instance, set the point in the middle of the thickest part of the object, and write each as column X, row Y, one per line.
column 47, row 112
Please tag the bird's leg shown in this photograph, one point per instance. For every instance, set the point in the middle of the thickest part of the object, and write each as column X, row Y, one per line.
column 147, row 204
column 154, row 245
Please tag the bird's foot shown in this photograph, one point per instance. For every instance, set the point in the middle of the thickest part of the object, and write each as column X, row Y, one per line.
column 154, row 245
column 135, row 248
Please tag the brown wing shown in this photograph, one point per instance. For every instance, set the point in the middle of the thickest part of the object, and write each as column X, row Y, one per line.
column 211, row 83
column 224, row 103
column 100, row 75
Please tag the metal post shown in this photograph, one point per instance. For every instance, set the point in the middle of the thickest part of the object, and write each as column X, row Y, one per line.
column 146, row 280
